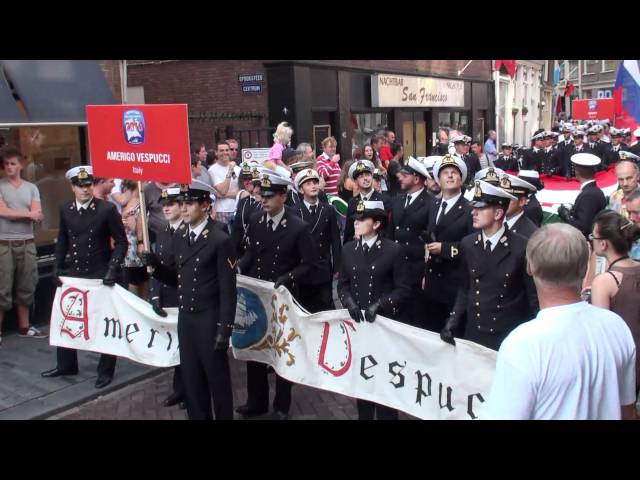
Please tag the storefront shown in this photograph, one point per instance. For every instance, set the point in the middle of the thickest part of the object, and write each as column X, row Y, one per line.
column 352, row 105
column 42, row 113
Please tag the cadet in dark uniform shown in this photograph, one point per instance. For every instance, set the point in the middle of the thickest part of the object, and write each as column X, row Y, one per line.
column 506, row 160
column 590, row 201
column 577, row 146
column 246, row 207
column 204, row 273
column 516, row 220
column 279, row 249
column 87, row 225
column 594, row 145
column 612, row 155
column 373, row 278
column 360, row 172
column 294, row 198
column 316, row 290
column 163, row 295
column 533, row 209
column 533, row 158
column 635, row 148
column 377, row 186
column 407, row 227
column 497, row 293
column 449, row 222
column 552, row 160
column 462, row 143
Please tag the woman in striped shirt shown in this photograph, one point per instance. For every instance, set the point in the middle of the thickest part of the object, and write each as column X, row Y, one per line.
column 328, row 166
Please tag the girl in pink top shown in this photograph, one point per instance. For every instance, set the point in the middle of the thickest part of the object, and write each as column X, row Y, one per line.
column 281, row 139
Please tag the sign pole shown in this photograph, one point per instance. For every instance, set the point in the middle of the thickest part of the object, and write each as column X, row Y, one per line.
column 145, row 225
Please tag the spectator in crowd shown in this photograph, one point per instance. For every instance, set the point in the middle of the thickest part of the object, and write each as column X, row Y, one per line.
column 233, row 150
column 395, row 164
column 377, row 142
column 134, row 273
column 224, row 174
column 385, row 151
column 490, row 148
column 102, row 188
column 485, row 161
column 116, row 196
column 281, row 140
column 369, row 154
column 306, row 150
column 328, row 166
column 627, row 173
column 347, row 188
column 211, row 158
column 20, row 209
column 618, row 289
column 633, row 208
column 573, row 361
column 152, row 200
column 198, row 170
column 442, row 147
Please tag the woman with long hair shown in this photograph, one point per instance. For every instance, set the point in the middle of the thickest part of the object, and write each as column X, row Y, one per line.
column 618, row 289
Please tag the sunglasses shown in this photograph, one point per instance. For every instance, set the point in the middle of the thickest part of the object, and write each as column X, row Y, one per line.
column 233, row 149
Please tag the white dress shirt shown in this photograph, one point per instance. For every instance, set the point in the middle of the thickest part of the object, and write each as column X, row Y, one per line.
column 198, row 229
column 494, row 238
column 450, row 203
column 83, row 206
column 276, row 219
column 371, row 241
column 513, row 220
column 414, row 195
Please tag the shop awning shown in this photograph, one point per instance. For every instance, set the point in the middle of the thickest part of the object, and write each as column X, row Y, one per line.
column 9, row 111
column 56, row 91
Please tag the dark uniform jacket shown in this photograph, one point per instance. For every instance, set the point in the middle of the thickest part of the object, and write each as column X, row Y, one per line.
column 588, row 204
column 505, row 162
column 635, row 148
column 497, row 294
column 534, row 159
column 406, row 228
column 204, row 273
column 167, row 295
column 381, row 275
column 552, row 161
column 444, row 272
column 85, row 236
column 288, row 249
column 598, row 148
column 245, row 209
column 294, row 198
column 351, row 209
column 473, row 166
column 524, row 226
column 533, row 210
column 326, row 237
column 611, row 156
column 569, row 150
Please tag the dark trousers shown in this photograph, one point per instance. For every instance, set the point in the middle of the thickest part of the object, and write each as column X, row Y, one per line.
column 258, row 389
column 438, row 314
column 68, row 362
column 372, row 411
column 178, row 383
column 416, row 311
column 205, row 371
column 316, row 298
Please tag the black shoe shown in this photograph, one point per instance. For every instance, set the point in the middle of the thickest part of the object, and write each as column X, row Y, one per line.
column 182, row 405
column 245, row 411
column 56, row 372
column 173, row 399
column 278, row 415
column 103, row 381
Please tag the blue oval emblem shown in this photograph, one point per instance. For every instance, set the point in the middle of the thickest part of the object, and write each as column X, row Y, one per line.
column 133, row 126
column 593, row 104
column 250, row 326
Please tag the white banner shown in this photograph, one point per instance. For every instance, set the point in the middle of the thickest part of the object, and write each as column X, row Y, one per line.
column 87, row 315
column 259, row 155
column 405, row 91
column 387, row 362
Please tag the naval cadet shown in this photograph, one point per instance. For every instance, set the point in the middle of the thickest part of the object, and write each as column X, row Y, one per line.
column 246, row 207
column 87, row 227
column 497, row 294
column 533, row 209
column 534, row 158
column 506, row 159
column 316, row 290
column 203, row 271
column 279, row 249
column 449, row 222
column 590, row 201
column 373, row 278
column 516, row 220
column 407, row 227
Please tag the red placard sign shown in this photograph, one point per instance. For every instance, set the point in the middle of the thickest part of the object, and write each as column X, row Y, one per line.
column 593, row 109
column 140, row 142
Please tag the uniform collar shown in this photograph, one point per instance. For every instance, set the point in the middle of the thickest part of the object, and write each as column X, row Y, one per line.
column 370, row 241
column 176, row 225
column 511, row 222
column 80, row 206
column 415, row 195
column 276, row 219
column 452, row 201
column 198, row 228
column 586, row 183
column 368, row 196
column 494, row 239
column 309, row 205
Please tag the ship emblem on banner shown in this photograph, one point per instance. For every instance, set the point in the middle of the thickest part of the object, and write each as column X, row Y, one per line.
column 134, row 127
column 251, row 323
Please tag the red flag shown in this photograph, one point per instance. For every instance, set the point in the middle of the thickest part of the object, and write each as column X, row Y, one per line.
column 509, row 65
column 559, row 105
column 569, row 90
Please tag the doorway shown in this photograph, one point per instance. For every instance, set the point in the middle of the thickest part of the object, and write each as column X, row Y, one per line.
column 414, row 133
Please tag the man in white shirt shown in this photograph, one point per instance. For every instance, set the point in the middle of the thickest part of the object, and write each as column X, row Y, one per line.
column 224, row 176
column 573, row 361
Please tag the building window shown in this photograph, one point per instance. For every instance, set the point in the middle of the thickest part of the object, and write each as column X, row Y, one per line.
column 591, row 66
column 609, row 65
column 573, row 70
column 365, row 125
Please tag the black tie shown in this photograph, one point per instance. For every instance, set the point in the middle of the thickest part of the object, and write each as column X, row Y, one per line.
column 270, row 225
column 313, row 210
column 171, row 229
column 365, row 248
column 442, row 210
column 487, row 246
column 408, row 201
column 192, row 238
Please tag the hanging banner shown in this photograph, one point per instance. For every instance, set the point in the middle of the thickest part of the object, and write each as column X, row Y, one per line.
column 386, row 362
column 140, row 142
column 404, row 91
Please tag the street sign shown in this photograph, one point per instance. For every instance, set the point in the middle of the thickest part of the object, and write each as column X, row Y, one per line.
column 255, row 154
column 140, row 142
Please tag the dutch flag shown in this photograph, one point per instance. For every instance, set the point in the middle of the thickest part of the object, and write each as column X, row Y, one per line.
column 626, row 94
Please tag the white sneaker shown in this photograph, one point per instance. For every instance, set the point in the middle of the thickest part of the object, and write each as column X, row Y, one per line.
column 33, row 332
